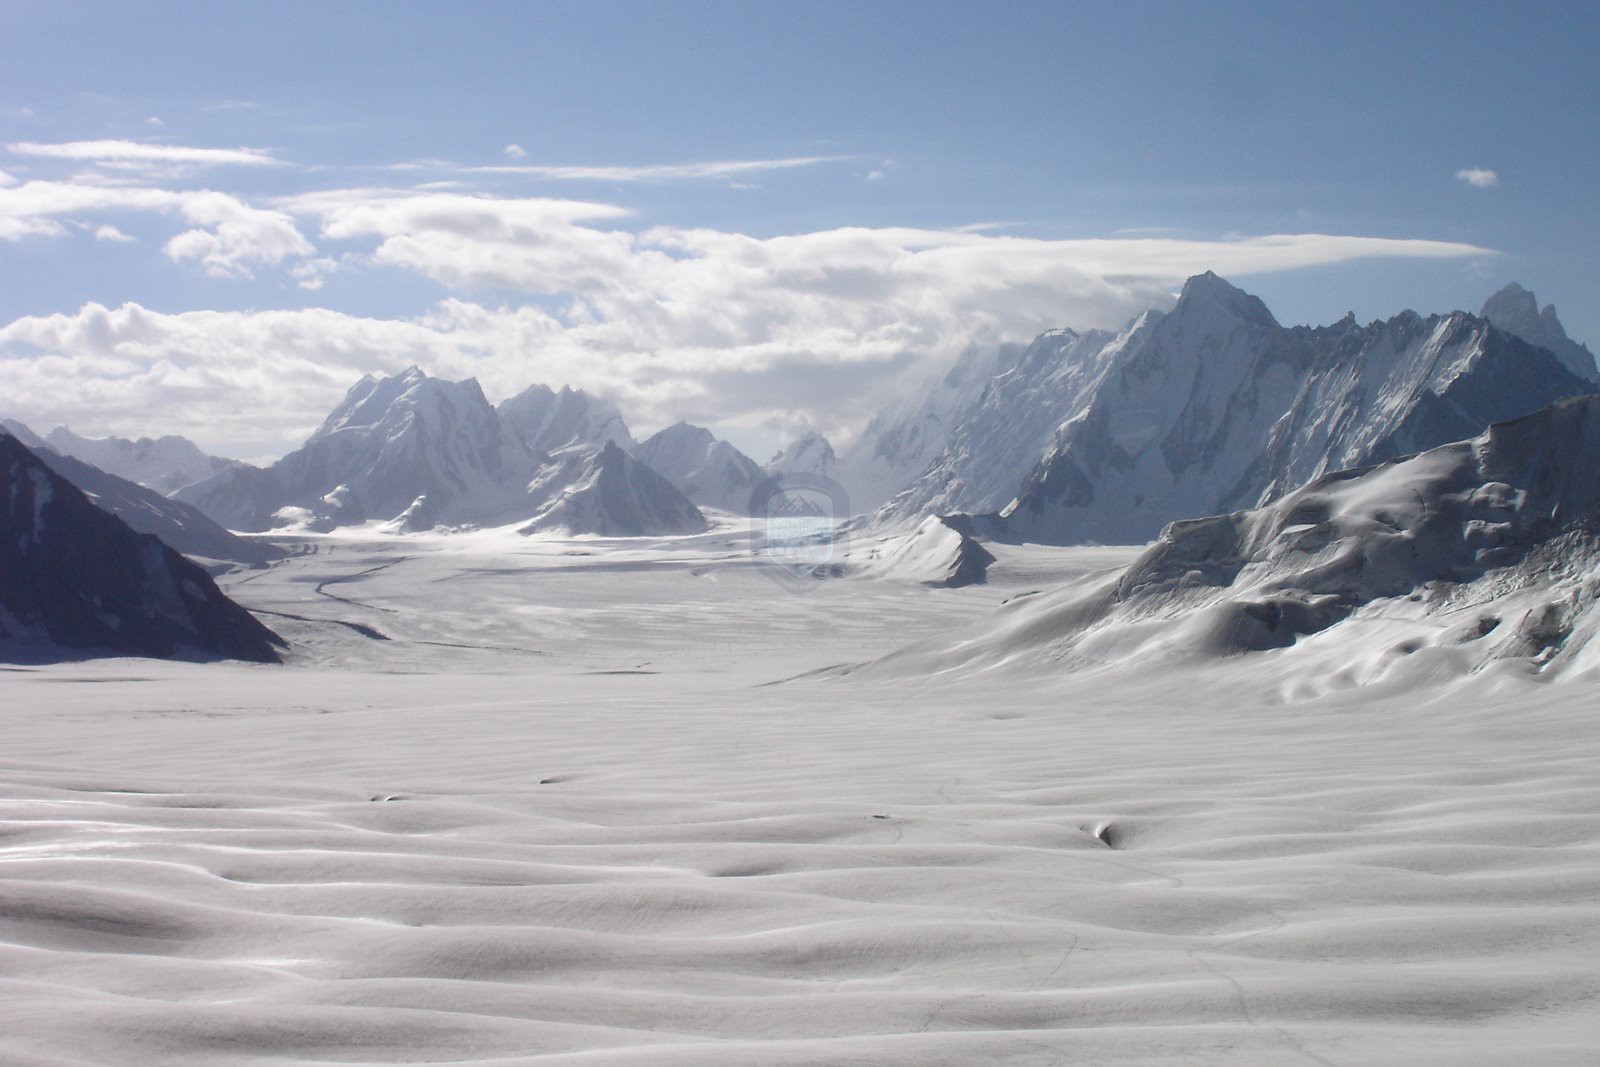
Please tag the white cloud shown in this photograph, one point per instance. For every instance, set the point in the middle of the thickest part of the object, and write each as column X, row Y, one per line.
column 875, row 175
column 230, row 238
column 659, row 171
column 1478, row 177
column 811, row 327
column 6, row 179
column 111, row 233
column 515, row 151
column 139, row 152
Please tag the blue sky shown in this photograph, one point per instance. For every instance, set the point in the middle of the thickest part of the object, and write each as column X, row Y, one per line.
column 752, row 215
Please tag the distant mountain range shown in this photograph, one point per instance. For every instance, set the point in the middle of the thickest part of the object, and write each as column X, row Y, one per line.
column 1106, row 436
column 165, row 464
column 419, row 452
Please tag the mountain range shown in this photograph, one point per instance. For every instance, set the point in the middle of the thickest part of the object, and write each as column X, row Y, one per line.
column 1476, row 552
column 1106, row 436
column 419, row 452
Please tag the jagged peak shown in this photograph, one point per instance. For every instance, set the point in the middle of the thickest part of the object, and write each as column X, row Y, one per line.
column 1208, row 290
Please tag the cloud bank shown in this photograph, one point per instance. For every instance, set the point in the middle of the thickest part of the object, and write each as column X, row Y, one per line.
column 672, row 322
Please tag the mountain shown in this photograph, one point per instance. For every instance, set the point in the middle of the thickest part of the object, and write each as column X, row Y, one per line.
column 417, row 452
column 902, row 440
column 1471, row 553
column 605, row 491
column 1215, row 407
column 390, row 442
column 810, row 453
column 1515, row 311
column 545, row 420
column 146, row 511
column 74, row 576
column 939, row 552
column 710, row 472
column 165, row 464
column 993, row 443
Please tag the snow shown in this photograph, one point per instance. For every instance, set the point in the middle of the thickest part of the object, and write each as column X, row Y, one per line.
column 711, row 473
column 559, row 817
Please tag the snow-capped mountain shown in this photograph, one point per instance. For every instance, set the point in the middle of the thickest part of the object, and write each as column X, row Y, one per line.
column 390, row 442
column 1001, row 432
column 1215, row 407
column 1106, row 436
column 1470, row 553
column 165, row 464
column 417, row 452
column 810, row 453
column 74, row 576
column 903, row 439
column 710, row 472
column 1515, row 311
column 545, row 420
column 602, row 490
column 179, row 525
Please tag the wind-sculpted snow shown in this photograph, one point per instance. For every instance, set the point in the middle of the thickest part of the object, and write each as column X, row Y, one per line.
column 76, row 580
column 1472, row 553
column 559, row 819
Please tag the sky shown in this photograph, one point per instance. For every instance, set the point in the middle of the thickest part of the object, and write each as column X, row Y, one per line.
column 759, row 217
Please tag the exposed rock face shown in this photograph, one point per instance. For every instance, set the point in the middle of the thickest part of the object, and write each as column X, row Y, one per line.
column 74, row 576
column 711, row 473
column 1515, row 311
column 146, row 511
column 1215, row 407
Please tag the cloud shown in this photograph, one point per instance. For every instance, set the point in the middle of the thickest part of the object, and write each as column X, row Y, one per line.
column 111, row 233
column 819, row 327
column 142, row 153
column 515, row 151
column 1478, row 177
column 659, row 171
column 229, row 238
column 875, row 175
column 6, row 179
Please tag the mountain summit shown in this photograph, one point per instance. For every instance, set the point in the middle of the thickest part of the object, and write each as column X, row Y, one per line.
column 1515, row 311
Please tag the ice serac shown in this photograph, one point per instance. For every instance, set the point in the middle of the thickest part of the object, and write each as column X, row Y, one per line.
column 75, row 577
column 605, row 491
column 1475, row 552
column 1515, row 311
column 1215, row 407
column 710, row 472
column 391, row 441
column 810, row 453
column 545, row 420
